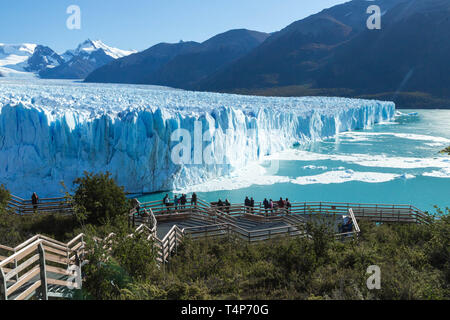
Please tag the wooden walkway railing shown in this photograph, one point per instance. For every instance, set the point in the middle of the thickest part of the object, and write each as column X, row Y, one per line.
column 219, row 224
column 58, row 205
column 371, row 212
column 40, row 267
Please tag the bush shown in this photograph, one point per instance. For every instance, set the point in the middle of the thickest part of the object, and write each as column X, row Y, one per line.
column 136, row 255
column 101, row 198
column 5, row 196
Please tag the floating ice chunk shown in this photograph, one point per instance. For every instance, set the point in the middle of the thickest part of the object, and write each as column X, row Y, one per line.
column 345, row 176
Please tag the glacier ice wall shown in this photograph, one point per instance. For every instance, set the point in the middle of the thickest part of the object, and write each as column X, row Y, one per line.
column 53, row 131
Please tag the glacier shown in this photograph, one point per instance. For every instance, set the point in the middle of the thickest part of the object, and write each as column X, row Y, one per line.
column 51, row 131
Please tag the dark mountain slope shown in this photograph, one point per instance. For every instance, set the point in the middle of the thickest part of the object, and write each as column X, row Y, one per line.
column 180, row 65
column 410, row 53
column 185, row 70
column 292, row 55
column 140, row 68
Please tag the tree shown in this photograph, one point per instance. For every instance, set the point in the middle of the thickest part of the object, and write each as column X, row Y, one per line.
column 5, row 196
column 102, row 199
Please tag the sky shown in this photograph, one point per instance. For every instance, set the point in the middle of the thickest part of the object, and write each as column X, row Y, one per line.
column 139, row 24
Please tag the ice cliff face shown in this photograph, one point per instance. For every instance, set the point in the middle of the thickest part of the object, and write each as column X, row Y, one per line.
column 52, row 131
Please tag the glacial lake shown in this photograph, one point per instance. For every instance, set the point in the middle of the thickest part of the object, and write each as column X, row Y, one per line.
column 396, row 162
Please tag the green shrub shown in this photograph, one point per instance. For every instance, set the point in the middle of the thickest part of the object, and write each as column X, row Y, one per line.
column 102, row 199
column 5, row 196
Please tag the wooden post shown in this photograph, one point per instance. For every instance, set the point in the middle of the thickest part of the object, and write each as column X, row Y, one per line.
column 3, row 295
column 43, row 269
column 15, row 266
column 176, row 242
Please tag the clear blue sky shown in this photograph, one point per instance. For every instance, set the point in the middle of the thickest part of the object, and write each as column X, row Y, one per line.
column 139, row 24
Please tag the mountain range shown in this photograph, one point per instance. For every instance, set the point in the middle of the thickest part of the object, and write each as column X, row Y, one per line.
column 183, row 64
column 329, row 53
column 32, row 60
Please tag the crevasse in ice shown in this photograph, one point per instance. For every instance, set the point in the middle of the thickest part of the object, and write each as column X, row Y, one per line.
column 53, row 131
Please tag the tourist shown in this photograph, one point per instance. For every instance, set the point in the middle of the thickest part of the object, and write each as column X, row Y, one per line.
column 183, row 201
column 166, row 202
column 288, row 206
column 252, row 205
column 175, row 202
column 34, row 201
column 146, row 216
column 271, row 206
column 280, row 204
column 138, row 209
column 227, row 206
column 194, row 199
column 220, row 203
column 266, row 205
column 247, row 204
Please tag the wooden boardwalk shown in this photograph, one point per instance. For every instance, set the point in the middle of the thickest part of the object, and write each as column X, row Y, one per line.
column 41, row 268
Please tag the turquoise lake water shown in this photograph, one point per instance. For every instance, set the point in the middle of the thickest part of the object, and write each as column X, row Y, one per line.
column 391, row 163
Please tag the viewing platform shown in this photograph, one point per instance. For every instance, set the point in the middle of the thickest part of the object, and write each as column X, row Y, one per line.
column 43, row 268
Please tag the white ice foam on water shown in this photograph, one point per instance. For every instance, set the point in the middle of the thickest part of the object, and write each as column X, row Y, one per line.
column 363, row 136
column 380, row 161
column 256, row 175
column 345, row 176
column 251, row 175
column 52, row 131
column 443, row 173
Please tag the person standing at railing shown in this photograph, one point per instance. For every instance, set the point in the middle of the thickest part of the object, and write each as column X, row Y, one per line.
column 194, row 200
column 146, row 217
column 266, row 205
column 34, row 201
column 252, row 205
column 175, row 202
column 183, row 201
column 247, row 204
column 166, row 202
column 271, row 205
column 281, row 204
column 288, row 206
column 227, row 206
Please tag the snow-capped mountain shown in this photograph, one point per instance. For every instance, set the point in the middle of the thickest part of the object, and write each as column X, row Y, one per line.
column 32, row 60
column 43, row 58
column 87, row 57
column 89, row 47
column 13, row 59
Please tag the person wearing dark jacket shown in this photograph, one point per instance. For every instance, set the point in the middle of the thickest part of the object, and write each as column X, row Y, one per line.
column 194, row 199
column 266, row 205
column 227, row 206
column 183, row 201
column 247, row 204
column 34, row 201
column 252, row 205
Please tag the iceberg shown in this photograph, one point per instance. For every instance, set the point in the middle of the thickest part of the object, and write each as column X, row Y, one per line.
column 53, row 131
